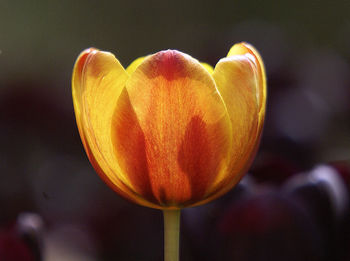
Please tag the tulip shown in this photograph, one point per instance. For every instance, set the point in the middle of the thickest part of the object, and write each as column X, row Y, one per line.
column 169, row 132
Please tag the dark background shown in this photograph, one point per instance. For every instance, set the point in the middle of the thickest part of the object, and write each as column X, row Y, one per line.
column 289, row 207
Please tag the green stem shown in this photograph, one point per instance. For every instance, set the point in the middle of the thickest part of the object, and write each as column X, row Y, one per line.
column 171, row 234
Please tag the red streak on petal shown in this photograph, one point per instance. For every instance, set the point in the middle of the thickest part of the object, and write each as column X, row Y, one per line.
column 200, row 154
column 129, row 143
column 168, row 64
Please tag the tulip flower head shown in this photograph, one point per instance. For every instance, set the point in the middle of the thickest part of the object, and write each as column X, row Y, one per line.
column 170, row 132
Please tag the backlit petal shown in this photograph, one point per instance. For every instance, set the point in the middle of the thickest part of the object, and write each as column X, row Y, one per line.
column 248, row 50
column 98, row 80
column 77, row 90
column 171, row 130
column 208, row 67
column 240, row 80
column 132, row 67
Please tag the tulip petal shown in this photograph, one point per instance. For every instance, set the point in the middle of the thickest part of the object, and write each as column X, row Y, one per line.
column 171, row 127
column 247, row 49
column 77, row 90
column 240, row 80
column 132, row 67
column 208, row 67
column 98, row 80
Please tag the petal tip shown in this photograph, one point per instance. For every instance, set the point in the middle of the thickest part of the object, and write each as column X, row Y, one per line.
column 81, row 61
column 168, row 63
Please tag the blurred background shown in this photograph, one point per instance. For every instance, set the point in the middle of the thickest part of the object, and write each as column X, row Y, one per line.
column 292, row 205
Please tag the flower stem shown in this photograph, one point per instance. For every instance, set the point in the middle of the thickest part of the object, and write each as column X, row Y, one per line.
column 171, row 234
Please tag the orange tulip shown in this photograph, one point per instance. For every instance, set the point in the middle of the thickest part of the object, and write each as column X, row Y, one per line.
column 170, row 132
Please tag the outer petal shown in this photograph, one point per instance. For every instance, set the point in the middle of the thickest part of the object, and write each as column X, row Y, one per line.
column 98, row 80
column 177, row 134
column 248, row 50
column 240, row 79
